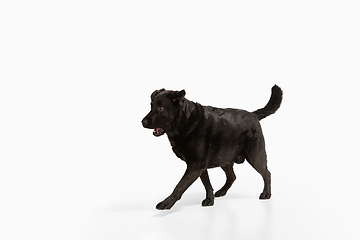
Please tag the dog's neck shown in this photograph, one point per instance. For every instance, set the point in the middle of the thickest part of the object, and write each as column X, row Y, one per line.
column 187, row 119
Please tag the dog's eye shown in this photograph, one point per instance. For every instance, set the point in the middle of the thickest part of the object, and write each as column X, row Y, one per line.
column 161, row 109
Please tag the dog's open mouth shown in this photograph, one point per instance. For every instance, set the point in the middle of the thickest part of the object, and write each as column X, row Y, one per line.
column 158, row 132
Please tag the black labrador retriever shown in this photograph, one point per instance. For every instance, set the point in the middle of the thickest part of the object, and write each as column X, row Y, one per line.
column 207, row 137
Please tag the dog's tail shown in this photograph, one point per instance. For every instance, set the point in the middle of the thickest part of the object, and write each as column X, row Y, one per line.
column 273, row 104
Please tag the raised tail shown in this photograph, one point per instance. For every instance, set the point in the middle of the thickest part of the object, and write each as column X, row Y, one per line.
column 273, row 104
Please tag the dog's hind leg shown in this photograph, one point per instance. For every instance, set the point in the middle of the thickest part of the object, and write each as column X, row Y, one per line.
column 209, row 200
column 259, row 163
column 255, row 154
column 230, row 178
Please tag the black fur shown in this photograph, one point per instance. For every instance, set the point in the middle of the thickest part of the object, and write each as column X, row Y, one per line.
column 207, row 137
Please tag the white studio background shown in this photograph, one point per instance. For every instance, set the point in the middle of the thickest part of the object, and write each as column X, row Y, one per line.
column 75, row 82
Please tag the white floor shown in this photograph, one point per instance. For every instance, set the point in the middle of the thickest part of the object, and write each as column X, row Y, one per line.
column 290, row 214
column 113, row 202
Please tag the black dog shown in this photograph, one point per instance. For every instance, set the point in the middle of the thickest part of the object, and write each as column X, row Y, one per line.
column 207, row 137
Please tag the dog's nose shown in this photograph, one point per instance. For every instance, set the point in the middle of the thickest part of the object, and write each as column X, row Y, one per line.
column 145, row 122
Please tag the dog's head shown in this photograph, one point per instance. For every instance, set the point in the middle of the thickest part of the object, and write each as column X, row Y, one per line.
column 164, row 108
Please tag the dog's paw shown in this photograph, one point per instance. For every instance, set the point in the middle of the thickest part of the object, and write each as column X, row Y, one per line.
column 265, row 195
column 164, row 205
column 220, row 193
column 208, row 202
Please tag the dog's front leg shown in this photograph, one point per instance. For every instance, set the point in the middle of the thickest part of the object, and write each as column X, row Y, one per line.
column 191, row 174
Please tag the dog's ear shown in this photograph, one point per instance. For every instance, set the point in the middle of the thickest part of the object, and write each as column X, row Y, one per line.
column 179, row 95
column 156, row 92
